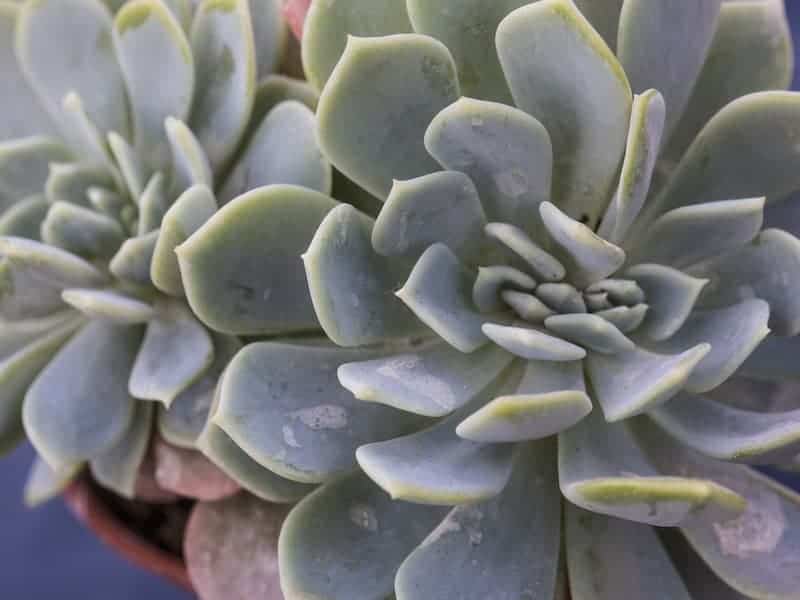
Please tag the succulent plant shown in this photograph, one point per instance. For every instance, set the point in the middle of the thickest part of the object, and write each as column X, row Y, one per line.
column 562, row 295
column 131, row 131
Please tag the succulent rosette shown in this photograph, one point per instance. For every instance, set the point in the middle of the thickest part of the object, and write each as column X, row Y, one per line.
column 533, row 331
column 128, row 128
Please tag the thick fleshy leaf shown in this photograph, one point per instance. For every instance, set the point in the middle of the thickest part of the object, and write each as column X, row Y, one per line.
column 768, row 268
column 132, row 261
column 636, row 381
column 441, row 207
column 720, row 227
column 436, row 466
column 118, row 467
column 190, row 474
column 620, row 291
column 733, row 332
column 375, row 138
column 757, row 395
column 591, row 332
column 268, row 159
column 87, row 136
column 439, row 292
column 698, row 577
column 24, row 218
column 71, row 182
column 25, row 295
column 599, row 548
column 550, row 41
column 274, row 89
column 175, row 351
column 745, row 151
column 89, row 69
column 45, row 484
column 563, row 298
column 231, row 549
column 602, row 469
column 147, row 489
column 432, row 381
column 238, row 465
column 671, row 296
column 270, row 35
column 503, row 549
column 190, row 164
column 667, row 58
column 589, row 256
column 152, row 204
column 730, row 433
column 544, row 266
column 183, row 422
column 550, row 398
column 329, row 24
column 625, row 318
column 641, row 153
column 527, row 306
column 130, row 167
column 22, row 114
column 81, row 231
column 109, row 305
column 189, row 212
column 107, row 202
column 773, row 359
column 15, row 335
column 755, row 552
column 505, row 151
column 256, row 242
column 755, row 37
column 21, row 367
column 76, row 408
column 145, row 34
column 531, row 343
column 347, row 539
column 282, row 405
column 225, row 63
column 467, row 29
column 32, row 276
column 25, row 166
column 352, row 286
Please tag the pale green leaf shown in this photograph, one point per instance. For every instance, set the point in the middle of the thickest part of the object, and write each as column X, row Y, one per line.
column 242, row 270
column 374, row 111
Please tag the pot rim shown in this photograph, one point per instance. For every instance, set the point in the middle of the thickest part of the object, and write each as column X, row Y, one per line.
column 91, row 511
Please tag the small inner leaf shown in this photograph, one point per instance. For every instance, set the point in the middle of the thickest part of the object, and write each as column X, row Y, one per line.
column 175, row 351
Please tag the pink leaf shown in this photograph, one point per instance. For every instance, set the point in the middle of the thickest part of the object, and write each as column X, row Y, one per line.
column 231, row 549
column 189, row 473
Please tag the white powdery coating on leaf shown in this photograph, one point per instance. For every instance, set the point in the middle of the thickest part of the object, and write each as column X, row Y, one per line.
column 324, row 416
column 289, row 438
column 512, row 183
column 466, row 519
column 407, row 369
column 472, row 518
column 364, row 516
column 758, row 531
column 231, row 549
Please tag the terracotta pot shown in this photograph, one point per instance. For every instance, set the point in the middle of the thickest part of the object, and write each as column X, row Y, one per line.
column 91, row 510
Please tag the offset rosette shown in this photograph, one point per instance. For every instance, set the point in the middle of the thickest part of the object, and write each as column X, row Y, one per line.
column 130, row 132
column 570, row 259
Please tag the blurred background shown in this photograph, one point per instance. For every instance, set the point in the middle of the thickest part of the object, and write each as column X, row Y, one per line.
column 46, row 554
